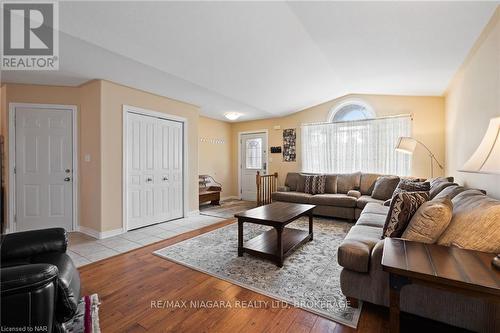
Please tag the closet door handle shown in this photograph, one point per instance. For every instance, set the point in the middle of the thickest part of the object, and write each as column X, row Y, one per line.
column 165, row 178
column 149, row 179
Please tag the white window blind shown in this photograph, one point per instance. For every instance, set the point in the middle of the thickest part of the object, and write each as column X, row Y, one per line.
column 364, row 145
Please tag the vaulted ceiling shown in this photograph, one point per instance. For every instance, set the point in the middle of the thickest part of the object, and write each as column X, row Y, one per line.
column 265, row 59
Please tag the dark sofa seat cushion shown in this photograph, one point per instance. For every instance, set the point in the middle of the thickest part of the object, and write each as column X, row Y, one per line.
column 365, row 199
column 339, row 200
column 355, row 251
column 297, row 197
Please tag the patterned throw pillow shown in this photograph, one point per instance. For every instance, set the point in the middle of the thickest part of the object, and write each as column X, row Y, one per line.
column 403, row 207
column 315, row 184
column 407, row 185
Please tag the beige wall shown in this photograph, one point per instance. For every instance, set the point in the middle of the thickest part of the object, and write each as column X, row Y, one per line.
column 215, row 158
column 99, row 106
column 472, row 100
column 90, row 144
column 428, row 126
column 114, row 96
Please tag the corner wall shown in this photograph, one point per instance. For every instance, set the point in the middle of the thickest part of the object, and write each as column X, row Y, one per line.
column 472, row 99
column 214, row 158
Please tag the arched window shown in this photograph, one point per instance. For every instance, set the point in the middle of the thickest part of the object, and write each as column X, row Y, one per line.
column 351, row 111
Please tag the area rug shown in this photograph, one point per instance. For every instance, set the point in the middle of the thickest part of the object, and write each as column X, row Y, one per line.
column 86, row 319
column 309, row 279
column 227, row 208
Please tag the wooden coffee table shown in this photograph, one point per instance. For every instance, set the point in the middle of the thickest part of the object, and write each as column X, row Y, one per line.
column 278, row 242
column 447, row 268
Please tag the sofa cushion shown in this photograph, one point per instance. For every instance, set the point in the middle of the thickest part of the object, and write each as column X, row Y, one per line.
column 375, row 208
column 301, row 183
column 438, row 187
column 364, row 199
column 327, row 199
column 354, row 252
column 371, row 220
column 429, row 222
column 384, row 187
column 403, row 207
column 450, row 192
column 475, row 223
column 367, row 182
column 436, row 180
column 331, row 184
column 348, row 181
column 291, row 180
column 297, row 197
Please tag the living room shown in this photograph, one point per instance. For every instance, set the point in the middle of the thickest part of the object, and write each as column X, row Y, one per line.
column 250, row 166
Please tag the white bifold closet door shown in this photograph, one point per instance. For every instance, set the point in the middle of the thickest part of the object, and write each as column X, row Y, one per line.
column 155, row 170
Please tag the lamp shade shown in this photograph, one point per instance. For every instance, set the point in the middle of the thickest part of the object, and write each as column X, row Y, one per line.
column 486, row 158
column 406, row 145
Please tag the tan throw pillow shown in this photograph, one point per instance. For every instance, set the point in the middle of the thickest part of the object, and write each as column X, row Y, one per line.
column 384, row 187
column 430, row 221
column 403, row 206
column 475, row 224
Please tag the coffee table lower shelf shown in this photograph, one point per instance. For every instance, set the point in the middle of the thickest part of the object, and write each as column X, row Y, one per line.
column 266, row 244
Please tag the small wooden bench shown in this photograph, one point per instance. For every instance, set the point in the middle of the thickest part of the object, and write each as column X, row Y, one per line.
column 209, row 190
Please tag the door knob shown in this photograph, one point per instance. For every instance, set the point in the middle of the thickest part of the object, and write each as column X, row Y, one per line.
column 149, row 179
column 67, row 179
column 165, row 178
column 67, row 170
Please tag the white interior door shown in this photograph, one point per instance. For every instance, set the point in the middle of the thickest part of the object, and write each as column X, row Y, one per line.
column 43, row 168
column 154, row 170
column 253, row 158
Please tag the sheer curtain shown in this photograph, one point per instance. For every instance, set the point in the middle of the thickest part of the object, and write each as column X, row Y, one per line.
column 364, row 145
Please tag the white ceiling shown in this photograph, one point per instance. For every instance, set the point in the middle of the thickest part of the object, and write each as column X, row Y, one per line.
column 265, row 59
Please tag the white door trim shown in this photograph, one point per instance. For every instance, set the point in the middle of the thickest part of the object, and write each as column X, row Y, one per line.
column 12, row 158
column 125, row 110
column 266, row 132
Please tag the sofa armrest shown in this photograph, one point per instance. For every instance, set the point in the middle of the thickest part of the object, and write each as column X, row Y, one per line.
column 283, row 189
column 28, row 296
column 354, row 193
column 26, row 278
column 28, row 243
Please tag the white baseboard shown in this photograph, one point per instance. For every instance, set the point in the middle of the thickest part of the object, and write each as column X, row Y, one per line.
column 98, row 234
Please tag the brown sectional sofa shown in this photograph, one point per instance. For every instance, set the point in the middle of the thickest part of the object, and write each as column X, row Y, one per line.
column 360, row 256
column 346, row 194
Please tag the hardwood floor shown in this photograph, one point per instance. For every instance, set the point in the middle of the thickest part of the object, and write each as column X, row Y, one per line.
column 131, row 284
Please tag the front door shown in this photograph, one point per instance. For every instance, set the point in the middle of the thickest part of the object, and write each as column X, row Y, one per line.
column 253, row 158
column 155, row 170
column 43, row 168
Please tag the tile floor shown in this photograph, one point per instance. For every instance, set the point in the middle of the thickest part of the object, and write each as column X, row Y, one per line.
column 84, row 249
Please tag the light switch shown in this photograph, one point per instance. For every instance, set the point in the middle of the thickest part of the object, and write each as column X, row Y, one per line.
column 86, row 158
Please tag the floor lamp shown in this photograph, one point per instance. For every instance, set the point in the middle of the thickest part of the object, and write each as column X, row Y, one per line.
column 486, row 159
column 408, row 144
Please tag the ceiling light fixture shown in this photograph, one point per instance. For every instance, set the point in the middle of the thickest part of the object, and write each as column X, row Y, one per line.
column 232, row 115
